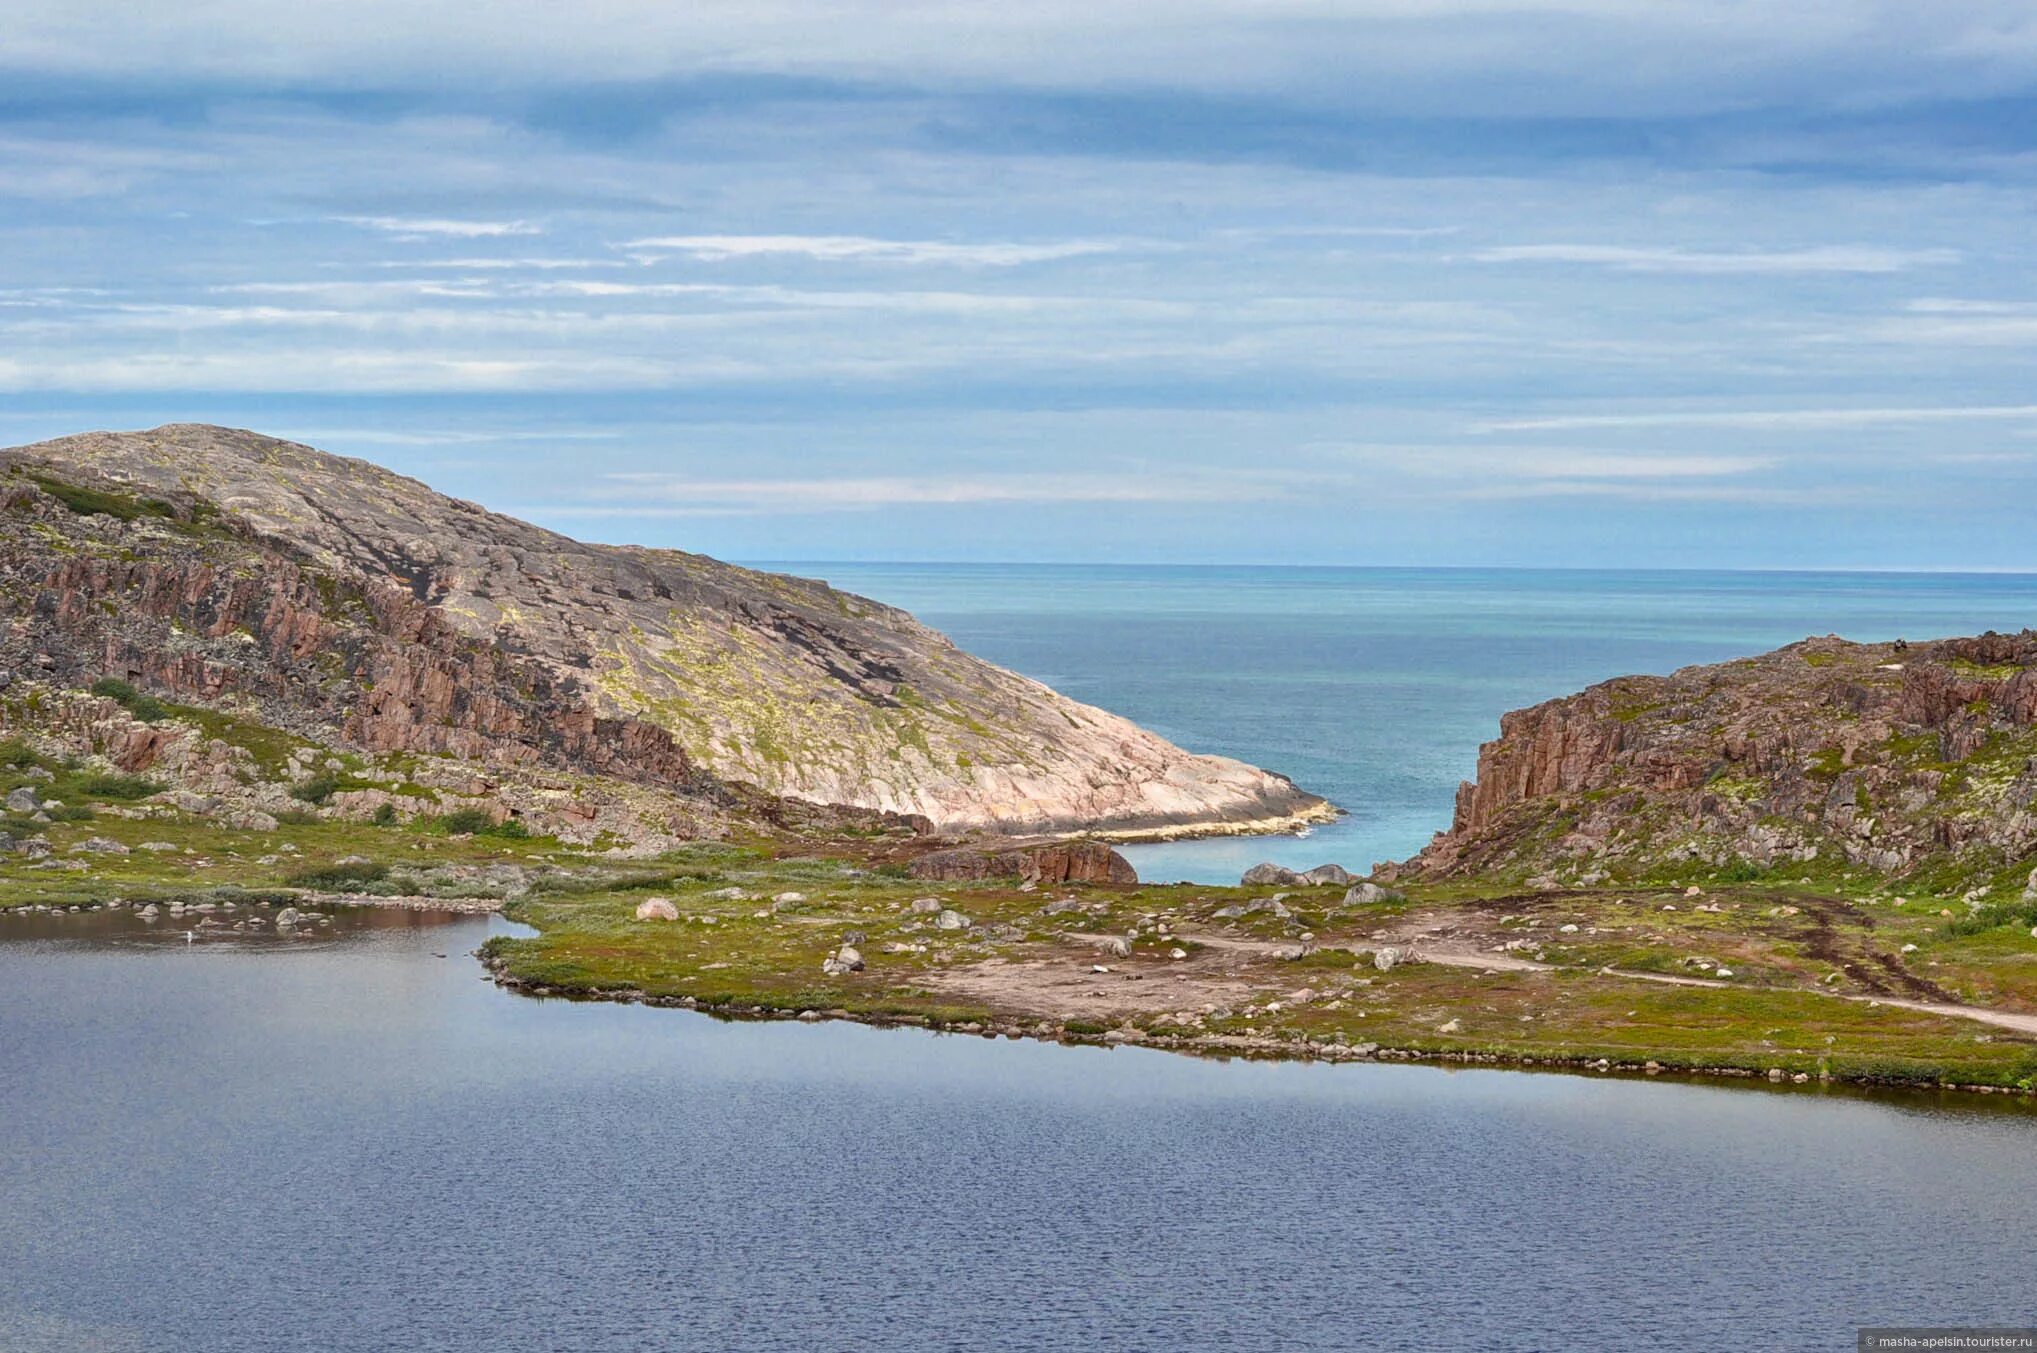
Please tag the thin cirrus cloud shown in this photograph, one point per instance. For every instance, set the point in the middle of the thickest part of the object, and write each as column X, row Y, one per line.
column 432, row 227
column 1767, row 418
column 1531, row 463
column 1748, row 495
column 863, row 248
column 1821, row 259
column 656, row 495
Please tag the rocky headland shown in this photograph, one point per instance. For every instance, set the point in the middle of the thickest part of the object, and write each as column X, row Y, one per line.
column 1908, row 760
column 359, row 610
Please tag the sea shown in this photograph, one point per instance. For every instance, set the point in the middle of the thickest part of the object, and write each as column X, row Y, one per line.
column 1374, row 687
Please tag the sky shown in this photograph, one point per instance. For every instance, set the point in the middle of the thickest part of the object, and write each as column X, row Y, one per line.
column 1612, row 283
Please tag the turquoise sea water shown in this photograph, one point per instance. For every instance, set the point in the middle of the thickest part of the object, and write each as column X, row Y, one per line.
column 1374, row 687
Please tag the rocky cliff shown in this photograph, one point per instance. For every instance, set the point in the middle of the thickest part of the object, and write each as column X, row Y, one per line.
column 1894, row 756
column 353, row 605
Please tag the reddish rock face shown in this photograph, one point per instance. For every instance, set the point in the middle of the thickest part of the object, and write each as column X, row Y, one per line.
column 1051, row 863
column 358, row 660
column 1883, row 754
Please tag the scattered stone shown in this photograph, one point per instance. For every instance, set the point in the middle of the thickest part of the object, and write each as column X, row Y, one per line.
column 289, row 916
column 926, row 906
column 24, row 800
column 657, row 909
column 1117, row 946
column 99, row 845
column 157, row 846
column 1388, row 958
column 1183, row 953
column 952, row 920
column 844, row 960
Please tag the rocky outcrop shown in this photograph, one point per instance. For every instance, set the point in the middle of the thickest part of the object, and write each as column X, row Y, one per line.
column 1047, row 862
column 351, row 603
column 1884, row 755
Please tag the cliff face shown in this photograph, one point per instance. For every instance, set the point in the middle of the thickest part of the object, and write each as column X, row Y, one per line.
column 1884, row 755
column 218, row 565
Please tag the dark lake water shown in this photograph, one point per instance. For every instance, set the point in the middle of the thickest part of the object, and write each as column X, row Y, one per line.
column 351, row 1143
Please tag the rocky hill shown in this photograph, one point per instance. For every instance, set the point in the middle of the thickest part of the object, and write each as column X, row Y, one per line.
column 1899, row 757
column 355, row 607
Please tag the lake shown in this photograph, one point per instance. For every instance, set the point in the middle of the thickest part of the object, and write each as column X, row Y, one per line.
column 352, row 1142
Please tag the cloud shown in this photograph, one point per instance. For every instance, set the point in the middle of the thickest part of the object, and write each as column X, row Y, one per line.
column 857, row 494
column 1766, row 418
column 418, row 228
column 1481, row 57
column 1748, row 494
column 1823, row 259
column 499, row 264
column 862, row 248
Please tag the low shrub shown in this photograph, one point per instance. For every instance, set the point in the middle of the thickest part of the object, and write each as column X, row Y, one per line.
column 114, row 786
column 350, row 874
column 316, row 789
column 476, row 822
column 141, row 705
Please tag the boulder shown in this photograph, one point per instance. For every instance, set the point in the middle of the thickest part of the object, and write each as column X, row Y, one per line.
column 952, row 920
column 1048, row 862
column 1238, row 910
column 926, row 906
column 657, row 909
column 24, row 800
column 1117, row 946
column 1328, row 873
column 1371, row 894
column 100, row 845
column 1268, row 872
column 1388, row 958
